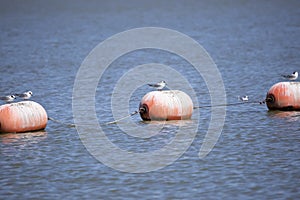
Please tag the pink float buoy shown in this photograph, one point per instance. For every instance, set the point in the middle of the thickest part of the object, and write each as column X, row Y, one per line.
column 22, row 117
column 284, row 96
column 166, row 105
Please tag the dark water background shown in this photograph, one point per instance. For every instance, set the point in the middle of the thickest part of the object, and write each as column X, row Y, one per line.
column 43, row 44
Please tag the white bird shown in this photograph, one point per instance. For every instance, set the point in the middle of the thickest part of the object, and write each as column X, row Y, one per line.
column 244, row 98
column 9, row 98
column 292, row 76
column 25, row 95
column 159, row 86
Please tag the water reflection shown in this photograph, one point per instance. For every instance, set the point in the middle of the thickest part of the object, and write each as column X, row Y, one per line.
column 168, row 127
column 23, row 138
column 289, row 115
column 169, row 122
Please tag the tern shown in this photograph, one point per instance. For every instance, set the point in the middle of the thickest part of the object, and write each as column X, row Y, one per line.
column 159, row 86
column 25, row 95
column 291, row 77
column 244, row 98
column 9, row 98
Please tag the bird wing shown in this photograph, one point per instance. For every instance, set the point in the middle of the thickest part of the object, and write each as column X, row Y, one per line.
column 154, row 85
column 285, row 76
column 19, row 95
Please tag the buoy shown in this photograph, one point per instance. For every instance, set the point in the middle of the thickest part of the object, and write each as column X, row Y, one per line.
column 22, row 117
column 166, row 105
column 284, row 96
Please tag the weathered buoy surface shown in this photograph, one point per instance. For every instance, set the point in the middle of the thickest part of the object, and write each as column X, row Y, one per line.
column 22, row 117
column 284, row 96
column 166, row 105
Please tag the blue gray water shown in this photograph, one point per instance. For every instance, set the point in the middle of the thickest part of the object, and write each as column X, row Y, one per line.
column 43, row 44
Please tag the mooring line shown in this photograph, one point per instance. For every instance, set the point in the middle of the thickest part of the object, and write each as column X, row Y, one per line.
column 57, row 121
column 141, row 110
column 231, row 104
column 131, row 114
column 107, row 123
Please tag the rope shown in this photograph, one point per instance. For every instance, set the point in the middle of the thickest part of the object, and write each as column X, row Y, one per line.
column 113, row 122
column 108, row 123
column 230, row 104
column 141, row 110
column 57, row 121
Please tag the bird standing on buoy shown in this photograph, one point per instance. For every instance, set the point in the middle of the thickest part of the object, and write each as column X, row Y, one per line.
column 25, row 95
column 8, row 99
column 291, row 77
column 159, row 86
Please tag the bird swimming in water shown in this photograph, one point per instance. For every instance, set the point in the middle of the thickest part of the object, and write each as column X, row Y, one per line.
column 25, row 95
column 159, row 86
column 8, row 99
column 291, row 77
column 244, row 98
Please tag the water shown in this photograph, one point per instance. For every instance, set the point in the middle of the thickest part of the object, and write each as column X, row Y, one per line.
column 257, row 156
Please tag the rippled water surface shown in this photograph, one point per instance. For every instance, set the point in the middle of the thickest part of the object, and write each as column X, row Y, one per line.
column 43, row 44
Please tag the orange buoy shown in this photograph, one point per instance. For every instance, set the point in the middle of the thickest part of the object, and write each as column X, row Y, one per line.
column 166, row 105
column 284, row 96
column 22, row 117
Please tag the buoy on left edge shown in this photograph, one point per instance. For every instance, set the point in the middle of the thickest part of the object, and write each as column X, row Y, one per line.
column 22, row 116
